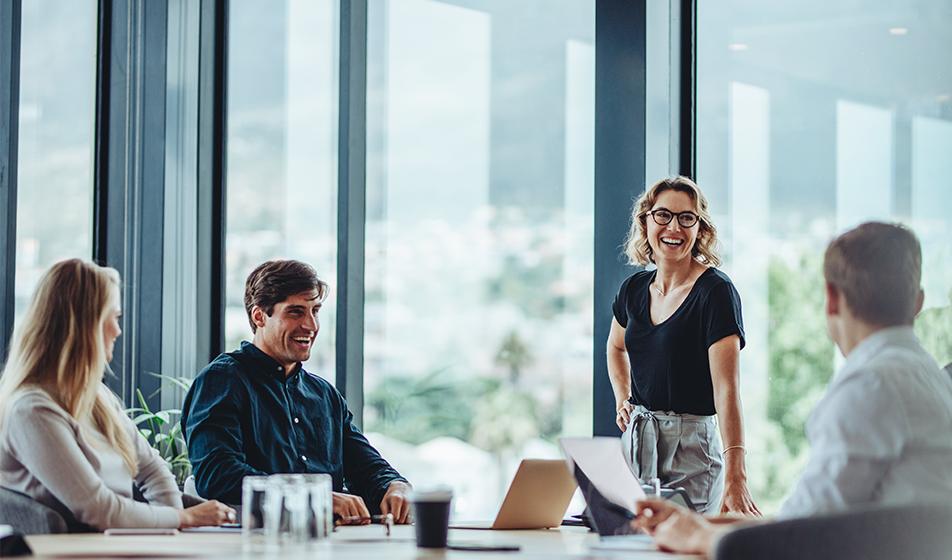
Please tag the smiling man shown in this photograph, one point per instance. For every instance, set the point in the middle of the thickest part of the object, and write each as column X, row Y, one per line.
column 256, row 411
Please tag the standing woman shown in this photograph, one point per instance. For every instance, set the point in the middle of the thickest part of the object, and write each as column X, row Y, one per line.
column 64, row 440
column 673, row 353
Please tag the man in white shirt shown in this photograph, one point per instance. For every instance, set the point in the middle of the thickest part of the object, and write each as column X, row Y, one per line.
column 882, row 433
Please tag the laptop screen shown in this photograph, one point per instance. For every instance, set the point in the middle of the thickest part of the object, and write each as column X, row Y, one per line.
column 607, row 517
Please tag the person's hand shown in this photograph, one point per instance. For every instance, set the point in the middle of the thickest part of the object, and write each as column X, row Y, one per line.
column 350, row 506
column 674, row 528
column 649, row 513
column 207, row 513
column 397, row 502
column 737, row 500
column 623, row 414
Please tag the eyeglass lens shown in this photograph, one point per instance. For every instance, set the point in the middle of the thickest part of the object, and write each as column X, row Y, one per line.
column 664, row 217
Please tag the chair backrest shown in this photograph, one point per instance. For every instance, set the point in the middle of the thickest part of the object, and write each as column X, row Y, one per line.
column 29, row 516
column 921, row 532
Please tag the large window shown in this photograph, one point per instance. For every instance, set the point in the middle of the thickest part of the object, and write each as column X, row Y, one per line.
column 814, row 117
column 57, row 120
column 180, row 299
column 479, row 237
column 282, row 152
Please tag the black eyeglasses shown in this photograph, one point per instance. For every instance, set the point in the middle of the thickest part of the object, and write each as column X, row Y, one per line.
column 663, row 217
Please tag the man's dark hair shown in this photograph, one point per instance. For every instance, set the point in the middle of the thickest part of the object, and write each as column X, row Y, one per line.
column 878, row 267
column 275, row 281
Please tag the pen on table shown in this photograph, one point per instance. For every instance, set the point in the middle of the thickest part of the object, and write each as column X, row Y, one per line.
column 363, row 518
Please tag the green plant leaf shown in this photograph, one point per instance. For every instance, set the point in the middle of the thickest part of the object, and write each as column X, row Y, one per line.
column 142, row 402
column 184, row 383
column 142, row 418
column 162, row 432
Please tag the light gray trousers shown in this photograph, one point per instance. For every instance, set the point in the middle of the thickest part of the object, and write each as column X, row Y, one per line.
column 682, row 450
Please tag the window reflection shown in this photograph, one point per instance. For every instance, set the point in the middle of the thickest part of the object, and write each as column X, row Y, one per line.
column 282, row 152
column 55, row 159
column 812, row 119
column 479, row 237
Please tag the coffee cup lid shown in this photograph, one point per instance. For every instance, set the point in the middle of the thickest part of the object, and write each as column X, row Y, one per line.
column 432, row 494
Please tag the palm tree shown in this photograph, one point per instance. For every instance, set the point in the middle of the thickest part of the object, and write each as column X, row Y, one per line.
column 514, row 355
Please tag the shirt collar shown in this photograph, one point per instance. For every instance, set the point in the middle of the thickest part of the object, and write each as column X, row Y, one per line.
column 872, row 344
column 263, row 364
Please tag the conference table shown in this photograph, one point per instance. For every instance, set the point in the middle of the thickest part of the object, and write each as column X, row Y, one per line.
column 367, row 542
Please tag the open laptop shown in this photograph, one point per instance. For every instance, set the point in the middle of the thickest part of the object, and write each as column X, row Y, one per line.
column 609, row 511
column 538, row 496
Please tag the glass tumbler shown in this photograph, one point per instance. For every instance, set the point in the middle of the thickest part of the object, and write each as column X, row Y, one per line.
column 253, row 493
column 320, row 506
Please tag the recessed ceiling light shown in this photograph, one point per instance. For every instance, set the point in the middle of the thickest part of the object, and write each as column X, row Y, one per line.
column 898, row 30
column 736, row 47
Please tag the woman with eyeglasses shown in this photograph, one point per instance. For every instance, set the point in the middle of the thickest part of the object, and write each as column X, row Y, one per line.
column 673, row 353
column 64, row 439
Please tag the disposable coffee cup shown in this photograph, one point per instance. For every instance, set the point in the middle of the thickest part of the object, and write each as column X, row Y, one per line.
column 431, row 515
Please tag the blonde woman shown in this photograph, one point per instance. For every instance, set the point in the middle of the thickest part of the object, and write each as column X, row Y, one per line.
column 64, row 439
column 673, row 353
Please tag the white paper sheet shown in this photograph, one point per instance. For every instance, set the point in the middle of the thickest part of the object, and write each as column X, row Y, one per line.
column 602, row 462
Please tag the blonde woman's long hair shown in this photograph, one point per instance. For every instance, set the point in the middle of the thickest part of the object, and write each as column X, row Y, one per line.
column 637, row 247
column 59, row 347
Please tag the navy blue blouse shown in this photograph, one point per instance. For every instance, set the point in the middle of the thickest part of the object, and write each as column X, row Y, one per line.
column 243, row 417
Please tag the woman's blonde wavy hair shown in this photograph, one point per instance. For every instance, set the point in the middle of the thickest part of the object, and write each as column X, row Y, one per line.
column 636, row 244
column 59, row 347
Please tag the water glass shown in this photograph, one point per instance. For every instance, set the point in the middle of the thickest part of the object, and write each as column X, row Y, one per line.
column 286, row 510
column 320, row 505
column 253, row 493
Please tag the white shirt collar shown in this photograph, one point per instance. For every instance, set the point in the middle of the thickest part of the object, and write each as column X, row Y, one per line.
column 872, row 344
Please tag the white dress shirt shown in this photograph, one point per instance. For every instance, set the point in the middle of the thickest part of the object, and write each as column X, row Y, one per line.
column 882, row 433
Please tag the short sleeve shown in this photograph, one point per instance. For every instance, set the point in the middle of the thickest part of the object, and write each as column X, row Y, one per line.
column 620, row 305
column 722, row 315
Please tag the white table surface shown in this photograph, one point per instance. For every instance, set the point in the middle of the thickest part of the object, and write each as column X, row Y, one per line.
column 346, row 543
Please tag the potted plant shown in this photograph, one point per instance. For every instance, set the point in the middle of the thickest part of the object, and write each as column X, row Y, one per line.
column 163, row 431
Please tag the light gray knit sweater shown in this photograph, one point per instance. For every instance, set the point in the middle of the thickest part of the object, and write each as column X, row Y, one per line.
column 46, row 454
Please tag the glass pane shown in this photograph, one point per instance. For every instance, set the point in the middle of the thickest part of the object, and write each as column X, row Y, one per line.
column 282, row 152
column 478, row 345
column 661, row 89
column 180, row 333
column 813, row 118
column 56, row 129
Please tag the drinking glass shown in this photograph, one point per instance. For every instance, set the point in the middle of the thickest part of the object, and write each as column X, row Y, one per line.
column 320, row 506
column 253, row 521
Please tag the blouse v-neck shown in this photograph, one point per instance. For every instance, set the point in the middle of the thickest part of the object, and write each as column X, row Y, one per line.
column 681, row 306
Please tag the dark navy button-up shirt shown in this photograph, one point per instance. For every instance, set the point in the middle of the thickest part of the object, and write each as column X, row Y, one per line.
column 243, row 417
